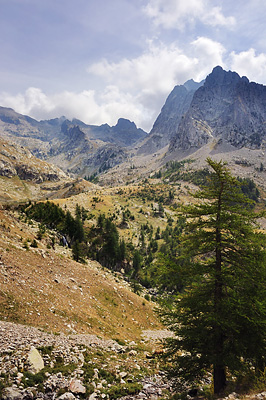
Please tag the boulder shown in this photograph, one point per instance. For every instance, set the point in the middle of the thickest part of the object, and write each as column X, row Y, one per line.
column 35, row 361
column 11, row 393
column 67, row 396
column 76, row 386
column 93, row 396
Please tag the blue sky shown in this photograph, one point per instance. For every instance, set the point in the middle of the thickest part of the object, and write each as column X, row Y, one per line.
column 98, row 60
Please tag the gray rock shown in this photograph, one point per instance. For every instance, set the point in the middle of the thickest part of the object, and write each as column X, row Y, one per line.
column 227, row 107
column 165, row 126
column 11, row 393
column 76, row 386
column 93, row 396
column 67, row 396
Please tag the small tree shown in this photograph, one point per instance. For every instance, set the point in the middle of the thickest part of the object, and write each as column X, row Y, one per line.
column 136, row 263
column 220, row 320
column 79, row 251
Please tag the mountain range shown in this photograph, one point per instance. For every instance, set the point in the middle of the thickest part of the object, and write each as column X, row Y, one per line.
column 225, row 111
column 72, row 145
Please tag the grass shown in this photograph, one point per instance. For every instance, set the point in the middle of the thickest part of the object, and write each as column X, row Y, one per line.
column 10, row 308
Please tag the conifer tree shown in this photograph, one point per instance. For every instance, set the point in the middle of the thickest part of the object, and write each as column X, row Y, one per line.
column 219, row 320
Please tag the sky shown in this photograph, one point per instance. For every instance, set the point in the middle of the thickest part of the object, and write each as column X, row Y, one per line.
column 100, row 60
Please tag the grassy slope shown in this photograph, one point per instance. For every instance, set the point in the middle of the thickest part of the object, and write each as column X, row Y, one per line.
column 47, row 289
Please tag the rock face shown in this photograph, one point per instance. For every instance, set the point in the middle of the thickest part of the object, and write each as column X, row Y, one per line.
column 166, row 125
column 104, row 158
column 227, row 108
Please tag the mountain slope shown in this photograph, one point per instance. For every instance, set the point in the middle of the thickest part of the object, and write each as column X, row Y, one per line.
column 166, row 124
column 24, row 177
column 45, row 288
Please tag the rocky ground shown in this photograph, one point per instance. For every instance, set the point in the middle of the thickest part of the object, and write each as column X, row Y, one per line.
column 39, row 365
column 35, row 365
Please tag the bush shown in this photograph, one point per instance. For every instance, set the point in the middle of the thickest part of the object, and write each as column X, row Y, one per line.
column 124, row 390
column 34, row 244
column 30, row 379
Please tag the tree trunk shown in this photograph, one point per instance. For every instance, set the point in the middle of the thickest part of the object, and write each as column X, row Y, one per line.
column 219, row 378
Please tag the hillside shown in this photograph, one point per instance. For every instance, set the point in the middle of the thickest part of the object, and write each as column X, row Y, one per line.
column 45, row 288
column 70, row 312
column 24, row 177
column 75, row 306
column 121, row 223
column 84, row 311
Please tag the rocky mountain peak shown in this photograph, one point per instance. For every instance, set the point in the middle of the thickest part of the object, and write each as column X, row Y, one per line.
column 126, row 133
column 166, row 125
column 123, row 123
column 192, row 85
column 73, row 132
column 227, row 107
column 219, row 77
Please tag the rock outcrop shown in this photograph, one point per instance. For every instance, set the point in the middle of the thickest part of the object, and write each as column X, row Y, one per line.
column 126, row 133
column 18, row 161
column 104, row 158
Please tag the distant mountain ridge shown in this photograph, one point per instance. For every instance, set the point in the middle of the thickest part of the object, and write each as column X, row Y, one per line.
column 72, row 145
column 225, row 110
column 123, row 133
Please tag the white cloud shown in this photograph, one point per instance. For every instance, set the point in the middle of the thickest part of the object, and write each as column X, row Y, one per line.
column 178, row 13
column 132, row 88
column 147, row 80
column 249, row 64
column 86, row 106
column 215, row 17
column 160, row 68
column 209, row 54
column 39, row 105
column 157, row 69
column 173, row 13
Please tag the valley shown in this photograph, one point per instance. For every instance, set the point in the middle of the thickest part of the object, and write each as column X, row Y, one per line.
column 91, row 219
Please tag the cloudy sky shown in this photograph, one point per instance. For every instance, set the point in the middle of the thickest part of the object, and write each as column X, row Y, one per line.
column 98, row 60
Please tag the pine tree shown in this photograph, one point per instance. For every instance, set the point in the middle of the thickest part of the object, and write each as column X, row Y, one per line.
column 136, row 263
column 219, row 320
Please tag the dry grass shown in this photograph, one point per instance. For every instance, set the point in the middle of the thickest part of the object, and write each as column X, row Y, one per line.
column 45, row 288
